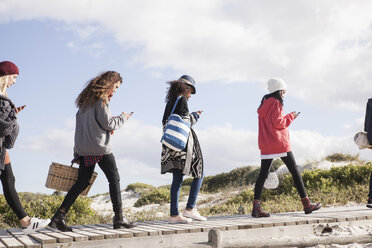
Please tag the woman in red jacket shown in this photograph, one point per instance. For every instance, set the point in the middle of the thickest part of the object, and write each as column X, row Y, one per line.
column 273, row 141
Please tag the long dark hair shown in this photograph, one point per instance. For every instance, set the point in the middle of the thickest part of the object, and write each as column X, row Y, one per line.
column 275, row 94
column 175, row 89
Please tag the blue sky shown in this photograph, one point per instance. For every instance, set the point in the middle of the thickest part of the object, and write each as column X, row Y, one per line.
column 231, row 48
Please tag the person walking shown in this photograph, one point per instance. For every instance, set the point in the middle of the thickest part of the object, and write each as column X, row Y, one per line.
column 368, row 129
column 188, row 161
column 9, row 130
column 273, row 142
column 94, row 127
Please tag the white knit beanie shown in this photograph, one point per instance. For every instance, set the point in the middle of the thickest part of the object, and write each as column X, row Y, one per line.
column 275, row 84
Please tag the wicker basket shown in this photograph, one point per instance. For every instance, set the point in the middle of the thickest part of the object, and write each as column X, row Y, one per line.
column 63, row 177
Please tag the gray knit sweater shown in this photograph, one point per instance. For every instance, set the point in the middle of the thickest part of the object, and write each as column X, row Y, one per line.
column 93, row 127
column 9, row 128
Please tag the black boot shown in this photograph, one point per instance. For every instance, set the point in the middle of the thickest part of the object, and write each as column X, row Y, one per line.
column 58, row 221
column 308, row 206
column 120, row 222
column 257, row 211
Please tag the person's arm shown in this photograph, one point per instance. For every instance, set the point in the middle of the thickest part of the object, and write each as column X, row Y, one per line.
column 368, row 121
column 11, row 138
column 106, row 120
column 279, row 120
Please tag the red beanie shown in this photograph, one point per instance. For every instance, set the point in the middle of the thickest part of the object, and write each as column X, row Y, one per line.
column 8, row 68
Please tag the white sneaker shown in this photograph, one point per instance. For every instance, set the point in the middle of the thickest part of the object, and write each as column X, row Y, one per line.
column 35, row 224
column 194, row 214
column 179, row 220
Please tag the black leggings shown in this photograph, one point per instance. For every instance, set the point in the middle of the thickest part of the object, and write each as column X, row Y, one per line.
column 370, row 187
column 292, row 167
column 108, row 166
column 10, row 193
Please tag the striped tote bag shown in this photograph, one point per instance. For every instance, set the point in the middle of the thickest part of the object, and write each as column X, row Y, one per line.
column 176, row 131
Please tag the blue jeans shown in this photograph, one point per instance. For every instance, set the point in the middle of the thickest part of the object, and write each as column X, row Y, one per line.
column 176, row 188
column 370, row 187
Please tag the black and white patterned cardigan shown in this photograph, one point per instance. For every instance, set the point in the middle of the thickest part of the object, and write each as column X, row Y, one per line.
column 189, row 161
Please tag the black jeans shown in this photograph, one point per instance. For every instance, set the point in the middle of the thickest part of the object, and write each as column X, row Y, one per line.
column 108, row 166
column 10, row 193
column 292, row 167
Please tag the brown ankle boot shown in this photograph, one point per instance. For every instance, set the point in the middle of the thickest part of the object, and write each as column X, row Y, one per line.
column 308, row 206
column 257, row 210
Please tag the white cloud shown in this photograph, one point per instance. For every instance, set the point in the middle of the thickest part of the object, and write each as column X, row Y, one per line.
column 321, row 48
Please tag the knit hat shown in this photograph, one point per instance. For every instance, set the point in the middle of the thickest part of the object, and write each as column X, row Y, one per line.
column 190, row 81
column 8, row 68
column 275, row 84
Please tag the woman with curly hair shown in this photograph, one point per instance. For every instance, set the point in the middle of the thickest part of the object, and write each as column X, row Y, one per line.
column 188, row 161
column 9, row 129
column 94, row 127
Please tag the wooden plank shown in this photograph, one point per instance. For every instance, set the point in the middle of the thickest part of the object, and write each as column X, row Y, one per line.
column 106, row 235
column 234, row 223
column 244, row 223
column 4, row 234
column 174, row 228
column 205, row 226
column 28, row 242
column 164, row 230
column 167, row 228
column 24, row 239
column 192, row 227
column 90, row 235
column 136, row 233
column 76, row 236
column 105, row 231
column 42, row 238
column 149, row 231
column 61, row 238
column 179, row 228
column 122, row 233
column 9, row 241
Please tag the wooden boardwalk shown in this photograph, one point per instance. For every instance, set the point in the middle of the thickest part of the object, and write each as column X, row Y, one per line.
column 195, row 234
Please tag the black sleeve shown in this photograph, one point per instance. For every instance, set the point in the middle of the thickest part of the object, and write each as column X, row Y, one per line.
column 368, row 120
column 181, row 109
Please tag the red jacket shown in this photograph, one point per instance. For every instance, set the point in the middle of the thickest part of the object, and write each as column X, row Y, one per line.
column 273, row 135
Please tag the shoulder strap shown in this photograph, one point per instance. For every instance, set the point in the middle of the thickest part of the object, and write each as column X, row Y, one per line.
column 175, row 104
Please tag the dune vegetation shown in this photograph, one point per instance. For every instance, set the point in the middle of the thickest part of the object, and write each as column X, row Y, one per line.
column 223, row 194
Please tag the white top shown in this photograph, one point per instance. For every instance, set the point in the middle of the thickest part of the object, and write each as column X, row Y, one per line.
column 273, row 156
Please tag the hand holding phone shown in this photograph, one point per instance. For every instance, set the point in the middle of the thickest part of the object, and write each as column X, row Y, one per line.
column 295, row 114
column 199, row 112
column 126, row 115
column 19, row 109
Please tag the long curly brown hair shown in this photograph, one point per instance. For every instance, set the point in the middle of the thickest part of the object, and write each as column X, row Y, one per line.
column 175, row 89
column 97, row 88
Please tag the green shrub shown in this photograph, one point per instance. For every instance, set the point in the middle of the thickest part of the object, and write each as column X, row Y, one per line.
column 277, row 163
column 44, row 206
column 235, row 178
column 139, row 187
column 336, row 186
column 156, row 196
column 341, row 157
